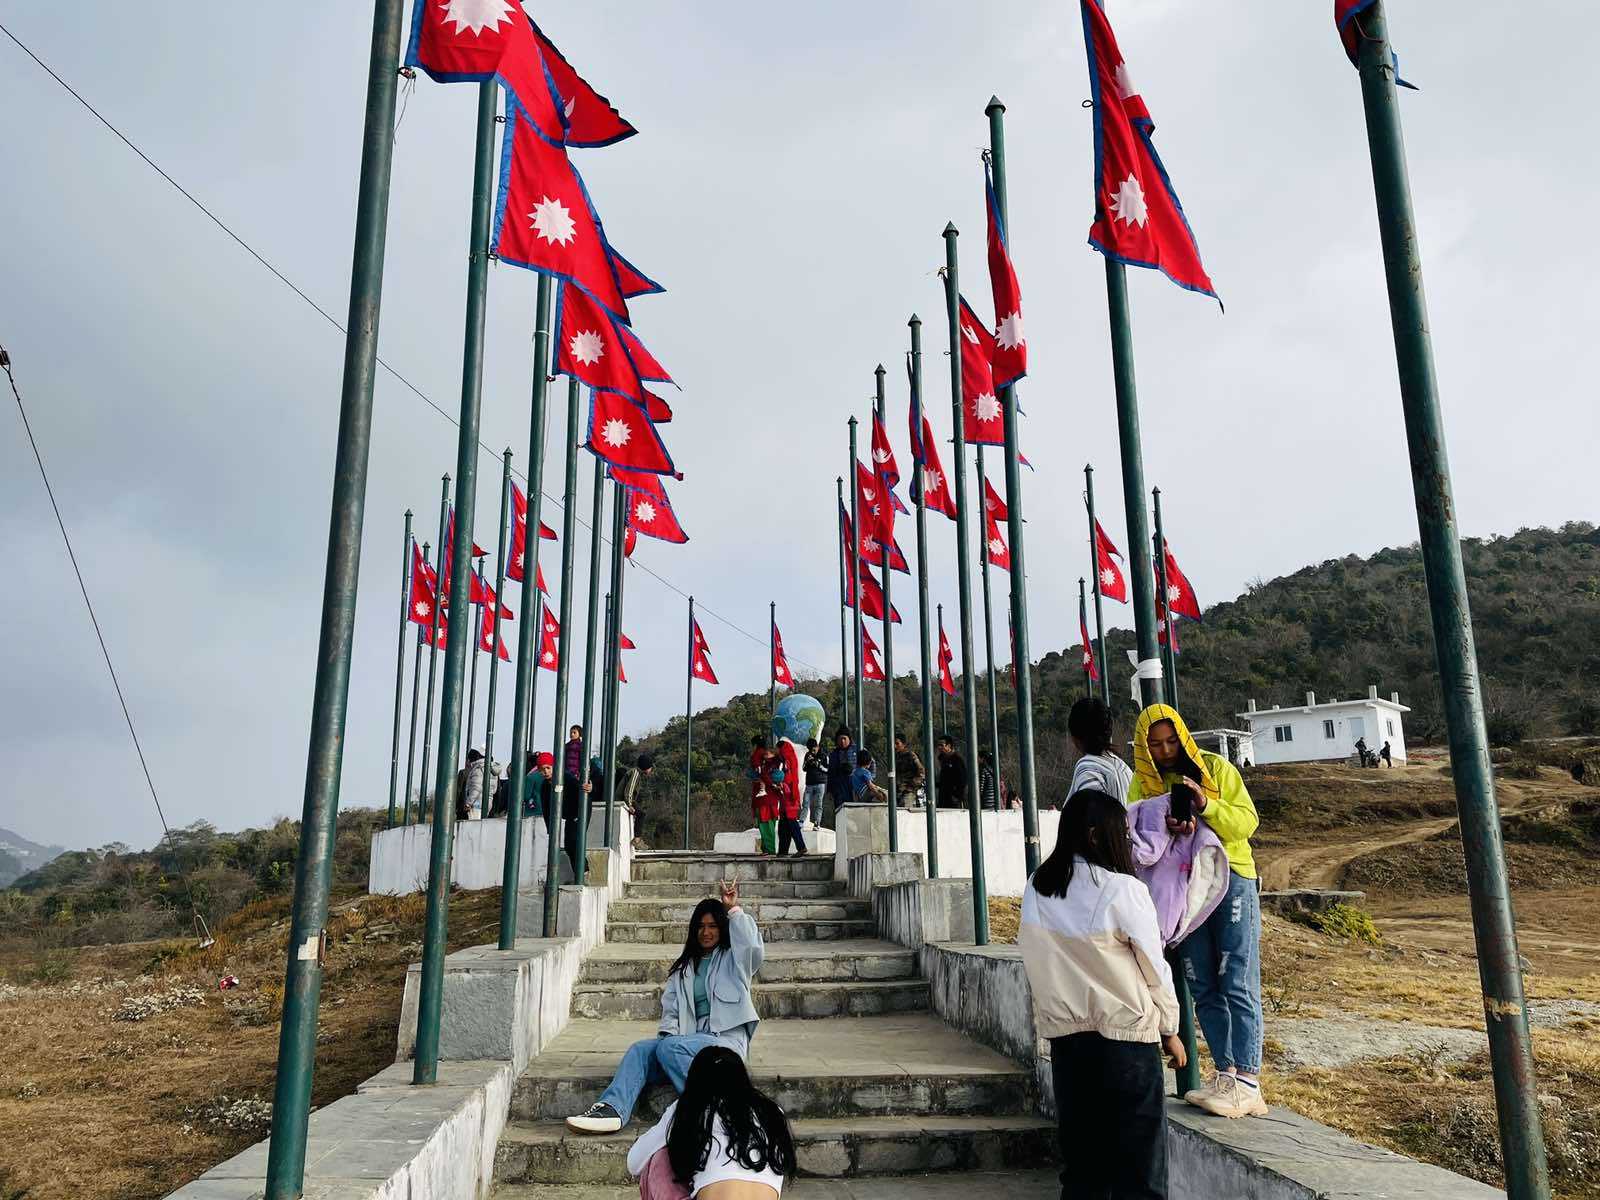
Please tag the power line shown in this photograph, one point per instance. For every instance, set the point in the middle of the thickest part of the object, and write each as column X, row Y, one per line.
column 331, row 320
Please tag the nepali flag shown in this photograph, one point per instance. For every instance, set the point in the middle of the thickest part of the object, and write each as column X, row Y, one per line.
column 591, row 121
column 981, row 423
column 1344, row 20
column 519, row 538
column 488, row 640
column 544, row 219
column 993, row 506
column 659, row 410
column 883, row 454
column 483, row 594
column 994, row 544
column 780, row 661
column 1010, row 360
column 622, row 433
column 946, row 656
column 633, row 281
column 1180, row 595
column 1088, row 646
column 873, row 500
column 871, row 668
column 1138, row 219
column 651, row 514
column 595, row 348
column 458, row 41
column 449, row 551
column 871, row 549
column 1112, row 584
column 871, row 591
column 699, row 649
column 928, row 482
column 423, row 589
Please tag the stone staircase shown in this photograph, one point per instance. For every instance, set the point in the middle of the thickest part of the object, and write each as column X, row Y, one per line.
column 876, row 1087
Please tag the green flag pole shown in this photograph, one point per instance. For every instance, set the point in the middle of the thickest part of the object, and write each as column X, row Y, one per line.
column 494, row 649
column 416, row 695
column 772, row 667
column 1164, row 618
column 1099, row 610
column 400, row 672
column 302, row 985
column 844, row 616
column 1493, row 920
column 969, row 691
column 855, row 580
column 888, row 639
column 988, row 641
column 619, row 533
column 569, row 529
column 688, row 724
column 592, row 626
column 433, row 640
column 924, row 634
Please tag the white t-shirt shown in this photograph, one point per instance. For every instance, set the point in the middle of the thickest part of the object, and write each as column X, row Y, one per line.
column 718, row 1166
column 1104, row 773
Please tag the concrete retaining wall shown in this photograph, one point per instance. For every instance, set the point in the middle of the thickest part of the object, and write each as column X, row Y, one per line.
column 864, row 829
column 868, row 871
column 924, row 911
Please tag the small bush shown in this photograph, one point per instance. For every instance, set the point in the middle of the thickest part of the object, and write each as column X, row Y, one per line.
column 1344, row 921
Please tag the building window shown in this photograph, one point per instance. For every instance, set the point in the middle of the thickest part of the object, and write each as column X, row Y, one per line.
column 1390, row 725
column 1283, row 733
column 1327, row 729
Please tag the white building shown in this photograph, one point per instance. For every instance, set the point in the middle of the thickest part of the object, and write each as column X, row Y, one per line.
column 1319, row 732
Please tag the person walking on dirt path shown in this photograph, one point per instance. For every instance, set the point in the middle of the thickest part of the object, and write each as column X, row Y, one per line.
column 815, row 767
column 841, row 764
column 706, row 1001
column 950, row 784
column 1090, row 726
column 1222, row 958
column 1103, row 995
column 909, row 773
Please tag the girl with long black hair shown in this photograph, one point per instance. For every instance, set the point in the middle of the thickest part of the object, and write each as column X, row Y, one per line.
column 723, row 1138
column 1103, row 995
column 706, row 1001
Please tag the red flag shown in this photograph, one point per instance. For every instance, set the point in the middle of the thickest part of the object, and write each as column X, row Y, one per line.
column 780, row 662
column 461, row 40
column 591, row 121
column 646, row 364
column 519, row 538
column 633, row 281
column 630, row 539
column 422, row 588
column 1138, row 219
column 482, row 593
column 930, row 477
column 700, row 642
column 443, row 642
column 1088, row 646
column 981, row 422
column 883, row 454
column 546, row 532
column 871, row 668
column 488, row 640
column 994, row 545
column 544, row 219
column 1180, row 595
column 1010, row 359
column 449, row 552
column 625, row 642
column 1112, row 585
column 871, row 591
column 871, row 549
column 660, row 411
column 946, row 657
column 589, row 346
column 621, row 433
column 549, row 637
column 1344, row 15
column 876, row 504
column 993, row 506
column 652, row 516
column 699, row 664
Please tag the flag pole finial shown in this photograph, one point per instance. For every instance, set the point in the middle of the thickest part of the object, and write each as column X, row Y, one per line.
column 993, row 105
column 408, row 512
column 950, row 230
column 915, row 320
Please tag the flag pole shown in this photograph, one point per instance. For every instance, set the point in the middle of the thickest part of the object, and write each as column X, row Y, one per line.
column 569, row 528
column 473, row 649
column 923, row 633
column 400, row 672
column 855, row 579
column 844, row 604
column 433, row 641
column 1094, row 567
column 430, row 991
column 688, row 726
column 416, row 694
column 1021, row 651
column 888, row 636
column 988, row 639
column 522, row 707
column 969, row 692
column 494, row 647
column 944, row 697
column 772, row 666
column 1169, row 653
column 1083, row 623
column 619, row 533
column 1494, row 924
column 605, row 716
column 302, row 986
column 592, row 627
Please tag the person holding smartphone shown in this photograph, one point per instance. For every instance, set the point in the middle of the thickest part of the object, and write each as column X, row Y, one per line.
column 1222, row 958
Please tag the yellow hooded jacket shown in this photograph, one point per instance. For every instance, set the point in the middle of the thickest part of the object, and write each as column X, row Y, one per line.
column 1229, row 810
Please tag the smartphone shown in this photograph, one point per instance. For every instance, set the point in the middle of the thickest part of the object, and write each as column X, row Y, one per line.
column 1182, row 799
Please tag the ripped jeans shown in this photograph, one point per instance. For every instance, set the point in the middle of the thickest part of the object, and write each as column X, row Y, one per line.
column 1222, row 962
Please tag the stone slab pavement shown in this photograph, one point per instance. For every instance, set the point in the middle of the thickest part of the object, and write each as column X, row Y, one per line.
column 967, row 1185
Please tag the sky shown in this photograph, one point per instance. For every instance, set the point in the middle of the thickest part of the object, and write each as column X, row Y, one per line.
column 788, row 185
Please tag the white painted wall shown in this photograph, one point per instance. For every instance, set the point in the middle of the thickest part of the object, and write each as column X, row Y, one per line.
column 1005, row 867
column 1379, row 722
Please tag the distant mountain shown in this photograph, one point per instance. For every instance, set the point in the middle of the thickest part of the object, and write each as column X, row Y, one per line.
column 18, row 856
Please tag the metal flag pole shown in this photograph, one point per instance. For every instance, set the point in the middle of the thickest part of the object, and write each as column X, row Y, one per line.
column 772, row 667
column 969, row 691
column 1019, row 558
column 688, row 725
column 433, row 642
column 416, row 695
column 888, row 634
column 1493, row 920
column 592, row 626
column 1164, row 617
column 605, row 718
column 400, row 672
column 924, row 634
column 855, row 581
column 619, row 531
column 494, row 649
column 1094, row 567
column 988, row 639
column 569, row 528
column 1083, row 622
column 302, row 984
column 844, row 605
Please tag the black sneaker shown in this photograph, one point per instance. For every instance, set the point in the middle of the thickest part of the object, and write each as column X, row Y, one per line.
column 597, row 1118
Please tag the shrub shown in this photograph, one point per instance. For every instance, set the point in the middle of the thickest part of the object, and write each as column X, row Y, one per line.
column 1344, row 921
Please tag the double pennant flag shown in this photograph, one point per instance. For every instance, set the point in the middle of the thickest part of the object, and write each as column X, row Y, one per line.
column 699, row 650
column 781, row 674
column 424, row 589
column 1138, row 219
column 1088, row 646
column 928, row 480
column 946, row 656
column 519, row 540
column 649, row 511
column 994, row 543
column 1113, row 586
column 981, row 421
column 549, row 635
column 1010, row 355
column 871, row 667
column 1180, row 594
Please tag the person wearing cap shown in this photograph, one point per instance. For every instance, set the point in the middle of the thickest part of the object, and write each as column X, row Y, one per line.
column 538, row 794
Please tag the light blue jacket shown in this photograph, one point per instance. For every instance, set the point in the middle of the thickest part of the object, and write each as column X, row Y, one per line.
column 732, row 971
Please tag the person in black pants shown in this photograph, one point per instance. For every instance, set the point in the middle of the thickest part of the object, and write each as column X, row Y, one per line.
column 950, row 784
column 573, row 795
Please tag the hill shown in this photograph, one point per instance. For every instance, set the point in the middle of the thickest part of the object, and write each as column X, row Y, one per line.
column 1333, row 628
column 18, row 856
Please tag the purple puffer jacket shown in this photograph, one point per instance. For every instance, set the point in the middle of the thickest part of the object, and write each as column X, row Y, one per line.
column 1187, row 874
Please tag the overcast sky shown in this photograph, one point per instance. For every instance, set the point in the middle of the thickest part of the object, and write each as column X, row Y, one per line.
column 788, row 185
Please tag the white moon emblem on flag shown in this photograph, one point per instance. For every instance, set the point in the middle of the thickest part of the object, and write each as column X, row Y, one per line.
column 552, row 221
column 644, row 512
column 968, row 332
column 1009, row 332
column 616, row 432
column 985, row 407
column 476, row 15
column 880, row 456
column 588, row 347
column 1128, row 202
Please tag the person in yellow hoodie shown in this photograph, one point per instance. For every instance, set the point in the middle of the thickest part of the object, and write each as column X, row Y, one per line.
column 1222, row 958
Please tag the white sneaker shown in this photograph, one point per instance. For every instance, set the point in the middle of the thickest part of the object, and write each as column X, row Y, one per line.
column 597, row 1118
column 1197, row 1096
column 1233, row 1098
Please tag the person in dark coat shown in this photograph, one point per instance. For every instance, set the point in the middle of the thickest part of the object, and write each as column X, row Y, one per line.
column 841, row 765
column 950, row 784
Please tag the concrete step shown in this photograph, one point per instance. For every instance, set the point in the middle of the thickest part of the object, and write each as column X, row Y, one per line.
column 634, row 910
column 786, row 962
column 710, row 868
column 901, row 1065
column 954, row 1185
column 670, row 933
column 749, row 889
column 642, row 1001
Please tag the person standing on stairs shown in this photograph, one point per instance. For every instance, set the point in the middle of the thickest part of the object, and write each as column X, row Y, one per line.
column 1103, row 996
column 706, row 1001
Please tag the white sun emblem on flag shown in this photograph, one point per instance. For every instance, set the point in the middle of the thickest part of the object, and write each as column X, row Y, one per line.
column 476, row 15
column 549, row 656
column 587, row 347
column 968, row 332
column 1125, row 86
column 519, row 561
column 996, row 546
column 616, row 432
column 869, row 545
column 1128, row 203
column 985, row 407
column 700, row 666
column 931, row 479
column 1108, row 577
column 1009, row 332
column 422, row 608
column 552, row 221
column 644, row 512
column 1174, row 592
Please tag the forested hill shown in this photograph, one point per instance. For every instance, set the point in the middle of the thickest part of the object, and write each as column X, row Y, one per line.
column 1332, row 628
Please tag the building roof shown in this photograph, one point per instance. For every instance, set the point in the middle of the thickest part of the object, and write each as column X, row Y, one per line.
column 1361, row 702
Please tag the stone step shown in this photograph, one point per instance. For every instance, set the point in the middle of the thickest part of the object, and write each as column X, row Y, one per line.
column 900, row 1065
column 670, row 933
column 749, row 889
column 710, row 868
column 786, row 962
column 642, row 1001
column 634, row 910
column 546, row 1152
column 955, row 1185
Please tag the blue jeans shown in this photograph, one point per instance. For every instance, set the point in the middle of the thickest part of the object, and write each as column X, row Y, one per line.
column 1222, row 962
column 811, row 802
column 656, row 1060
